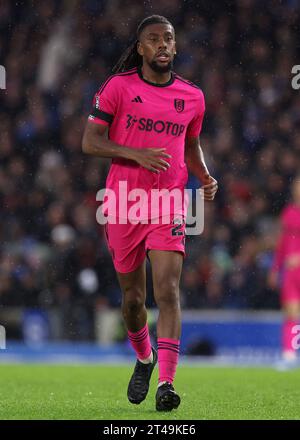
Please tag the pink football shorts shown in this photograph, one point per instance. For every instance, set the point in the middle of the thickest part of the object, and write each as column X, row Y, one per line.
column 129, row 243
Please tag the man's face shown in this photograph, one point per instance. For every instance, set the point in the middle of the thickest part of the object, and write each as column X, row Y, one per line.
column 157, row 47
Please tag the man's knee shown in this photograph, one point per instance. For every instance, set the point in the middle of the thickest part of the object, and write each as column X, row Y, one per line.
column 133, row 300
column 167, row 294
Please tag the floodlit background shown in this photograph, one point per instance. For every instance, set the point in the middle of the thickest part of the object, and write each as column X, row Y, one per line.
column 57, row 282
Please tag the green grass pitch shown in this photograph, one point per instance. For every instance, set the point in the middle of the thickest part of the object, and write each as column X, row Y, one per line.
column 99, row 392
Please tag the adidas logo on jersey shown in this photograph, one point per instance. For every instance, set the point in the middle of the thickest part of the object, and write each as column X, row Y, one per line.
column 137, row 99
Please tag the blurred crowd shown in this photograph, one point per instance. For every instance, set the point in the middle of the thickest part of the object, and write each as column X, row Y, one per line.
column 56, row 55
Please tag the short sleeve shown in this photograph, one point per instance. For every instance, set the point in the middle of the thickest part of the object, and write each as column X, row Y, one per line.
column 195, row 126
column 105, row 103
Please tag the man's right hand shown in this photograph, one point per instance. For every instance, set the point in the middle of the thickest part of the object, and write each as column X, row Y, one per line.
column 95, row 143
column 151, row 158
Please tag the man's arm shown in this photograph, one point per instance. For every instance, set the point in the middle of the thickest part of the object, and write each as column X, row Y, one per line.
column 95, row 143
column 194, row 158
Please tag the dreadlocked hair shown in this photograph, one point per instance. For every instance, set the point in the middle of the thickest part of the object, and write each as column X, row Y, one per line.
column 130, row 58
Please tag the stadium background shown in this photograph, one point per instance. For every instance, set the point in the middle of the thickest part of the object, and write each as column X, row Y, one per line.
column 57, row 281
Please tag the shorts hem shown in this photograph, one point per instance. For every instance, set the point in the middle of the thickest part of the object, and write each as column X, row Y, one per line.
column 135, row 267
column 182, row 251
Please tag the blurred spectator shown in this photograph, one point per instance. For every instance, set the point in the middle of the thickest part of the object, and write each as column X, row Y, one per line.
column 56, row 54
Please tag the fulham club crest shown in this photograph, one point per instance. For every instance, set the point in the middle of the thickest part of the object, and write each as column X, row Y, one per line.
column 179, row 105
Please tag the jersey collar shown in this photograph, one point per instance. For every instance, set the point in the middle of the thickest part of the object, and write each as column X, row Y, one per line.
column 168, row 83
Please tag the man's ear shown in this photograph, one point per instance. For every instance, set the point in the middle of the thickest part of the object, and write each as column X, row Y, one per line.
column 140, row 49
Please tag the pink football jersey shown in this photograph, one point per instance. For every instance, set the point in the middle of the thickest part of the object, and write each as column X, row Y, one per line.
column 141, row 114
